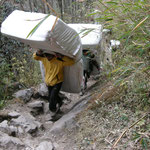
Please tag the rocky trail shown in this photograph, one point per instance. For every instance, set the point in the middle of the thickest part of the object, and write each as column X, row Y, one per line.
column 25, row 123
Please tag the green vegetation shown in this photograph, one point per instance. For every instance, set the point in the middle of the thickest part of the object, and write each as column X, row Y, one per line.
column 127, row 96
column 130, row 22
column 17, row 68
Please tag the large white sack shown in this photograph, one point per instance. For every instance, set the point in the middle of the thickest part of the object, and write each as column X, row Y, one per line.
column 62, row 39
column 90, row 34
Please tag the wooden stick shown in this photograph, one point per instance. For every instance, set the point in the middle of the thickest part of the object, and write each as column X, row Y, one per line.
column 126, row 131
column 54, row 24
column 49, row 6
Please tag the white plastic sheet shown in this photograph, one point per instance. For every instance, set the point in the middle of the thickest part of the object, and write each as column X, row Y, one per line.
column 62, row 39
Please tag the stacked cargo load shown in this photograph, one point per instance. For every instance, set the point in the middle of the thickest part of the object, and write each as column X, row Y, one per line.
column 91, row 38
column 51, row 34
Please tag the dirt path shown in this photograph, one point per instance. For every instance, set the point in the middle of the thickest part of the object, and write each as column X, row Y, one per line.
column 64, row 139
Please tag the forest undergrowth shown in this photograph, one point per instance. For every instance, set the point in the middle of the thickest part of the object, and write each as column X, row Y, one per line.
column 118, row 116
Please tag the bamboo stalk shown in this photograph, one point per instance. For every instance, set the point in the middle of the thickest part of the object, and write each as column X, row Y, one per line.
column 127, row 130
column 49, row 6
column 140, row 23
column 111, row 10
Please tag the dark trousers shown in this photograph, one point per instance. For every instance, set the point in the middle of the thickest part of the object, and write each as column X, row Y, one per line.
column 86, row 76
column 53, row 97
column 93, row 63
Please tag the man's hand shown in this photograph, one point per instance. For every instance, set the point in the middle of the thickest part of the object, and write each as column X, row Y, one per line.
column 59, row 55
column 39, row 52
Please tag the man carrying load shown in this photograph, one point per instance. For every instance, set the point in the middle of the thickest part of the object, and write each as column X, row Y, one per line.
column 89, row 61
column 54, row 66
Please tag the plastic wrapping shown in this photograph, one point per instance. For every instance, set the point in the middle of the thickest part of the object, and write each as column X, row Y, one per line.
column 62, row 38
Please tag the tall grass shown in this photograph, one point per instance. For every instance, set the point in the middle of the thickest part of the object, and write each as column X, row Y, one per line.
column 130, row 23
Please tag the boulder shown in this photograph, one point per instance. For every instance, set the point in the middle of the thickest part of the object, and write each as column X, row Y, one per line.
column 45, row 146
column 27, row 122
column 42, row 89
column 37, row 107
column 24, row 95
column 8, row 142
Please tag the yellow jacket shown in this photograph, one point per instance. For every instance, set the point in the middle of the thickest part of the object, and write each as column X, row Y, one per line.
column 54, row 68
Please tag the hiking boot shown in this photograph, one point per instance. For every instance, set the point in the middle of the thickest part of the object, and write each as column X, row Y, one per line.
column 56, row 117
column 52, row 113
column 82, row 92
column 85, row 87
column 60, row 104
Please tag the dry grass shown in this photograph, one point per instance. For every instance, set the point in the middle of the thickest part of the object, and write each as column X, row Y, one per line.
column 112, row 111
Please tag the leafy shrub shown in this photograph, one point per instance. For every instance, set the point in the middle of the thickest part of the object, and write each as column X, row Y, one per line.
column 17, row 68
column 129, row 21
